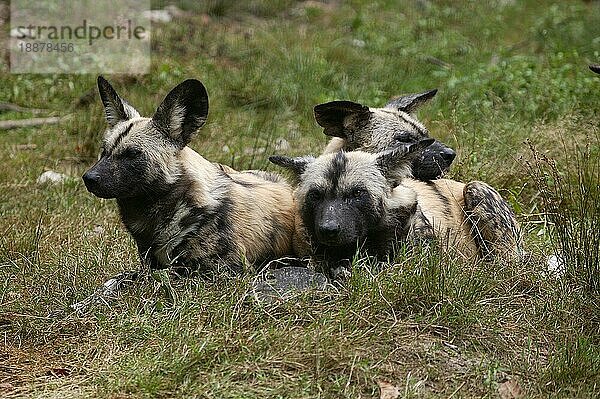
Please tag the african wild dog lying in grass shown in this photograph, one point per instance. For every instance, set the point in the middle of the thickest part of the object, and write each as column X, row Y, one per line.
column 494, row 225
column 183, row 211
column 358, row 127
column 348, row 200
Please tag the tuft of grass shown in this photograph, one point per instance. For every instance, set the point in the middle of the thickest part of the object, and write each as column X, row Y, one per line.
column 569, row 198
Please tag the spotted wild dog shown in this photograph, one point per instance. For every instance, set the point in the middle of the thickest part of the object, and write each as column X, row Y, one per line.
column 183, row 211
column 358, row 127
column 346, row 200
column 350, row 200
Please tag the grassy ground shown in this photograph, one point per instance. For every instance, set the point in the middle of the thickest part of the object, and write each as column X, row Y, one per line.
column 508, row 72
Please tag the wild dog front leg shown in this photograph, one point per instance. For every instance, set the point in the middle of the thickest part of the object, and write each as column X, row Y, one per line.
column 420, row 230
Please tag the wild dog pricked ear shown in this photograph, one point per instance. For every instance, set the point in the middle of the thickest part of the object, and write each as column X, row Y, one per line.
column 331, row 116
column 595, row 68
column 395, row 164
column 297, row 165
column 116, row 109
column 411, row 102
column 182, row 112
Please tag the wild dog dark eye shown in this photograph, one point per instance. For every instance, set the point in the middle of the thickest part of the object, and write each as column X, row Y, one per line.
column 314, row 195
column 404, row 137
column 359, row 193
column 131, row 152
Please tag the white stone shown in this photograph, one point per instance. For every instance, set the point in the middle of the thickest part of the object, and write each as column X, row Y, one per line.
column 282, row 144
column 52, row 177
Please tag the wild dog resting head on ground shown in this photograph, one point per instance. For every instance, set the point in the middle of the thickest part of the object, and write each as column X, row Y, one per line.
column 358, row 127
column 345, row 201
column 355, row 199
column 183, row 211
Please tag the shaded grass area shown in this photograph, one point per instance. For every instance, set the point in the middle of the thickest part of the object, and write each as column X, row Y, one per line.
column 432, row 326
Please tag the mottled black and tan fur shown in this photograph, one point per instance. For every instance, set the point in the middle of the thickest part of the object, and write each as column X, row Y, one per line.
column 348, row 200
column 183, row 211
column 358, row 127
column 493, row 223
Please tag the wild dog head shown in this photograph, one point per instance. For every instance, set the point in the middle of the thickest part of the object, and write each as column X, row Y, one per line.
column 344, row 198
column 380, row 129
column 139, row 155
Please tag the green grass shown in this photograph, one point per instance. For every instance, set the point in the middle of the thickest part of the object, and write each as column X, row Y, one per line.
column 508, row 72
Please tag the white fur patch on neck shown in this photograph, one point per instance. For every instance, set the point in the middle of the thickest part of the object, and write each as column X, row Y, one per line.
column 402, row 197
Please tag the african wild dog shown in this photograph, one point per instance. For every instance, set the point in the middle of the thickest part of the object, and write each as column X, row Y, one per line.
column 356, row 199
column 595, row 68
column 182, row 210
column 346, row 200
column 358, row 127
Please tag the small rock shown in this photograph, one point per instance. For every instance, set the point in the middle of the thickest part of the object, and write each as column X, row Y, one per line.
column 175, row 11
column 358, row 43
column 52, row 177
column 98, row 230
column 275, row 285
column 161, row 16
column 225, row 148
column 165, row 15
column 282, row 144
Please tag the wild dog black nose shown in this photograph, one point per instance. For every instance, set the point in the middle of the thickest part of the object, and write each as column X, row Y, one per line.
column 448, row 155
column 329, row 230
column 90, row 179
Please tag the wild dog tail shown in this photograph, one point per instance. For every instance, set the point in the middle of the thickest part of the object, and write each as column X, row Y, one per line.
column 595, row 68
column 495, row 228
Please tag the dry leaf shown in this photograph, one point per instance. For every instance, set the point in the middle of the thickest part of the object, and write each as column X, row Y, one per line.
column 510, row 389
column 388, row 391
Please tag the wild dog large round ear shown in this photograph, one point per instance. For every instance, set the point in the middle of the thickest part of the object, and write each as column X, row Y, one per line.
column 115, row 108
column 411, row 102
column 297, row 165
column 330, row 116
column 182, row 112
column 395, row 164
column 595, row 68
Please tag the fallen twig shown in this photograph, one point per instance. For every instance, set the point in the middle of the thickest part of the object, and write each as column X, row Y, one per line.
column 15, row 124
column 18, row 108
